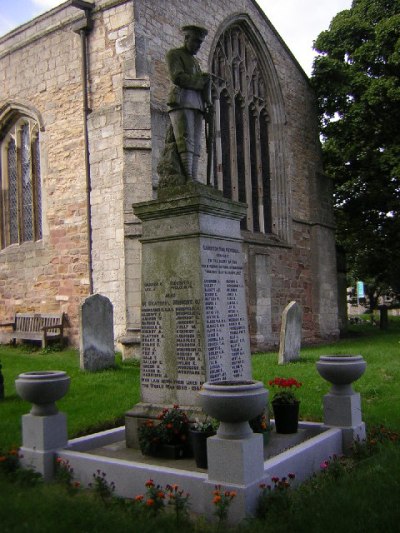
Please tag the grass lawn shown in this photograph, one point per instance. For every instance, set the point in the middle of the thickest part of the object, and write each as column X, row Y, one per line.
column 379, row 386
column 94, row 401
column 360, row 499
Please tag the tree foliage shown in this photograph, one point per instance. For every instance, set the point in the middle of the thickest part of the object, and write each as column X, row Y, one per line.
column 356, row 77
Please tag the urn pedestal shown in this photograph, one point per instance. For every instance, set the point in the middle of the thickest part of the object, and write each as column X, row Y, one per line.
column 342, row 406
column 235, row 453
column 44, row 429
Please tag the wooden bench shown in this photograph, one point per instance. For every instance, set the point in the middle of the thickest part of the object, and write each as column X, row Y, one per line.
column 37, row 327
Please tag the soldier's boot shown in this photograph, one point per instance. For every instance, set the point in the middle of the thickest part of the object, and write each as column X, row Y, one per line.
column 195, row 166
column 187, row 162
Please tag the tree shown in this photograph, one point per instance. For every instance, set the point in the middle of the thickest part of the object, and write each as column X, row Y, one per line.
column 356, row 77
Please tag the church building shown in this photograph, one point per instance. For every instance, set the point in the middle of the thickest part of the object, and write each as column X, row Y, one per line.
column 83, row 117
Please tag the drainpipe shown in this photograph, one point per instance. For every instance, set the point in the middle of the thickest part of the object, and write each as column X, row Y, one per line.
column 83, row 28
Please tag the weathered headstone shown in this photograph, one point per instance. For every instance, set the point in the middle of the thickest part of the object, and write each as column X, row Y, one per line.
column 96, row 333
column 194, row 316
column 290, row 338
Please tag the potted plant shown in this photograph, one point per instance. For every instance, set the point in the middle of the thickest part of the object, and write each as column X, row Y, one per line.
column 199, row 433
column 260, row 424
column 168, row 436
column 285, row 405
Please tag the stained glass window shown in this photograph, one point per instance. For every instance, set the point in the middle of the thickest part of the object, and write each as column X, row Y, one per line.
column 241, row 167
column 21, row 204
column 12, row 191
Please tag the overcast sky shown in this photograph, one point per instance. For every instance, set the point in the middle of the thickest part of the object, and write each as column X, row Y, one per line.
column 297, row 21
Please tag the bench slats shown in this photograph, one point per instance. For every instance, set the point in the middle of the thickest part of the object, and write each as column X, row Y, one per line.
column 38, row 326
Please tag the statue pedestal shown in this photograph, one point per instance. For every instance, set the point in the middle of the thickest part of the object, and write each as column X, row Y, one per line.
column 194, row 314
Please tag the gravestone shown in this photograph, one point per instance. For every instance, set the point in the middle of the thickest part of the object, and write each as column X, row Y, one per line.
column 194, row 315
column 290, row 338
column 96, row 333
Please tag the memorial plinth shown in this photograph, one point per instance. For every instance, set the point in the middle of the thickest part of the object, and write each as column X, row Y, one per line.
column 194, row 315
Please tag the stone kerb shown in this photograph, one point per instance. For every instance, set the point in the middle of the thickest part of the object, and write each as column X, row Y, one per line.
column 290, row 337
column 96, row 333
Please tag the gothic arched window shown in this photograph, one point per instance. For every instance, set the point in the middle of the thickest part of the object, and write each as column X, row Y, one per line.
column 21, row 193
column 241, row 158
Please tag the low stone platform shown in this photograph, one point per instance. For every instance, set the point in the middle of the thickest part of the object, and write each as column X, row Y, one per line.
column 277, row 444
column 300, row 453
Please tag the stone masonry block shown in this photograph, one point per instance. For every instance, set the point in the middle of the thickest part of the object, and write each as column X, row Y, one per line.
column 238, row 461
column 342, row 411
column 44, row 433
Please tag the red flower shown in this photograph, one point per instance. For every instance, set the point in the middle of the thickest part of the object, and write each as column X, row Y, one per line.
column 285, row 383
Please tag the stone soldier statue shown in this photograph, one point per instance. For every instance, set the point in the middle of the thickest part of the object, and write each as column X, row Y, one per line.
column 187, row 103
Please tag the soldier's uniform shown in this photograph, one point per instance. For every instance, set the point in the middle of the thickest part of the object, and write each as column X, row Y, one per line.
column 186, row 101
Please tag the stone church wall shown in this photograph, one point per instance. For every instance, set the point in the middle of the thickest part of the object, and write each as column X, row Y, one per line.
column 40, row 66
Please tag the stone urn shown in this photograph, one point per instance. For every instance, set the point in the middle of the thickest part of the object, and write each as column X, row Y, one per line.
column 42, row 389
column 233, row 403
column 341, row 371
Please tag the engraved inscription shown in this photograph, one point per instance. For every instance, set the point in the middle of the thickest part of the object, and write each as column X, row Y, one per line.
column 175, row 315
column 226, row 323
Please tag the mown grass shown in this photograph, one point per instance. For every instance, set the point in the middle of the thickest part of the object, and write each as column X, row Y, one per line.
column 379, row 386
column 100, row 399
column 94, row 401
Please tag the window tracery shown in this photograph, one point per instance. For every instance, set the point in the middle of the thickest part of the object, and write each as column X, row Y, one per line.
column 241, row 159
column 21, row 194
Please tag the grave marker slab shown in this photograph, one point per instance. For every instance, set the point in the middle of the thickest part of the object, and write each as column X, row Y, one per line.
column 96, row 333
column 290, row 338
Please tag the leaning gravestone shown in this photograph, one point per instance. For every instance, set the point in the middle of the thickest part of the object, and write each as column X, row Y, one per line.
column 290, row 338
column 97, row 333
